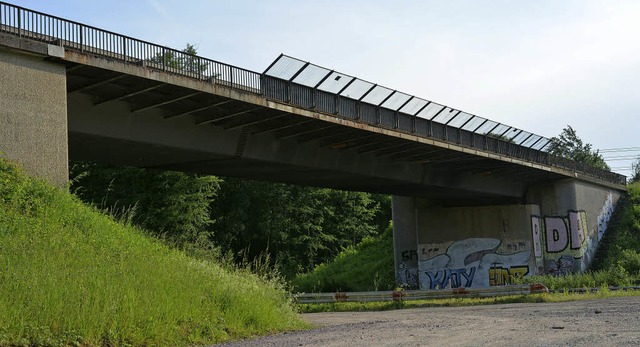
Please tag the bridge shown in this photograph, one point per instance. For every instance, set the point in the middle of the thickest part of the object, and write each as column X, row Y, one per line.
column 476, row 202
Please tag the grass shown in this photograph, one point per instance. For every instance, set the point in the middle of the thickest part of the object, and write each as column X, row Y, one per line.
column 368, row 266
column 70, row 275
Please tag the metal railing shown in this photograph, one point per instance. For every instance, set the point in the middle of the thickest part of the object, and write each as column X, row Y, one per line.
column 76, row 36
column 342, row 95
column 313, row 87
column 408, row 295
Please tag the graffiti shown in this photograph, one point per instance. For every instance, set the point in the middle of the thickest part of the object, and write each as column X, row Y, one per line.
column 409, row 278
column 409, row 255
column 467, row 263
column 451, row 278
column 563, row 232
column 500, row 276
column 563, row 266
column 535, row 227
column 605, row 215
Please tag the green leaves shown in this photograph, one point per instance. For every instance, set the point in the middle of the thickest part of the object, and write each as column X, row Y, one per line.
column 569, row 145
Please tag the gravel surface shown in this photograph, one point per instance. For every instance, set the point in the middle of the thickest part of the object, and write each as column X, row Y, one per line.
column 604, row 322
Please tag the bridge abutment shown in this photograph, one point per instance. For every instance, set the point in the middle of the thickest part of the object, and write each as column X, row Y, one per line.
column 33, row 114
column 556, row 232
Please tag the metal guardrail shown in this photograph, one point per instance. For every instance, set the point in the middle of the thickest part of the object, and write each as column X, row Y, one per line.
column 76, row 36
column 394, row 110
column 407, row 295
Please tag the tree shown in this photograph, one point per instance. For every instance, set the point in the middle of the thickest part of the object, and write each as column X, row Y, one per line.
column 300, row 227
column 568, row 145
column 635, row 167
column 185, row 61
column 171, row 205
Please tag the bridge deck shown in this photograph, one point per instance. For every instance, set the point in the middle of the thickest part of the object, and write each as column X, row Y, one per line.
column 393, row 129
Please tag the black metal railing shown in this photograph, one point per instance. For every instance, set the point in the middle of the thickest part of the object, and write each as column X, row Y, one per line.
column 76, row 36
column 410, row 114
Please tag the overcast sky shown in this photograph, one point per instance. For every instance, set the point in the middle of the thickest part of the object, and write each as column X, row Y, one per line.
column 535, row 65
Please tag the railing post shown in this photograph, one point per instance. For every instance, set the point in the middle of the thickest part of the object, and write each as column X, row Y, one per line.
column 19, row 23
column 164, row 59
column 231, row 76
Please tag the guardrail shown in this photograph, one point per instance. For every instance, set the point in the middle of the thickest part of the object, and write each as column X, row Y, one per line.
column 444, row 123
column 407, row 295
column 76, row 36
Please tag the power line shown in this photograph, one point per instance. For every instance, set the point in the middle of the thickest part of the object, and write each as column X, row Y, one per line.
column 619, row 149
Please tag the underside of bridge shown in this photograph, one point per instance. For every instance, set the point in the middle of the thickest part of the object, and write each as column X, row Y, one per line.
column 129, row 119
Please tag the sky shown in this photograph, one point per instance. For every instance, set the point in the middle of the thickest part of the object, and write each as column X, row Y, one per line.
column 535, row 65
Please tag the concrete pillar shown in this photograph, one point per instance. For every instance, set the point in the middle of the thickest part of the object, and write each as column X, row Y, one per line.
column 475, row 247
column 33, row 115
column 405, row 240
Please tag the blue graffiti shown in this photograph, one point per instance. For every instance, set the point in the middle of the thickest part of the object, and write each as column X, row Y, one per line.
column 454, row 278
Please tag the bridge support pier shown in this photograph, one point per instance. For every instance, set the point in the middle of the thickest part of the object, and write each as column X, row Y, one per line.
column 556, row 231
column 33, row 114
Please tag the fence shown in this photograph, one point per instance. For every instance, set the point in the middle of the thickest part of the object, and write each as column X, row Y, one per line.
column 42, row 27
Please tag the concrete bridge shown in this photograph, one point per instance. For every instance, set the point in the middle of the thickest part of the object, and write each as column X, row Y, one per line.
column 476, row 202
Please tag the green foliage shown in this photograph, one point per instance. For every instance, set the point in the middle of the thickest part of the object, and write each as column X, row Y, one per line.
column 171, row 205
column 300, row 226
column 613, row 277
column 185, row 61
column 635, row 171
column 569, row 145
column 71, row 276
column 620, row 246
column 365, row 267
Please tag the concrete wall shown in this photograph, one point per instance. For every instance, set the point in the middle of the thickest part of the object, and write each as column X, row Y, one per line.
column 556, row 232
column 574, row 217
column 33, row 115
column 474, row 246
column 405, row 239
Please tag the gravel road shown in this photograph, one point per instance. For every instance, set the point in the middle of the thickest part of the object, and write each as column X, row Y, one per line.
column 604, row 322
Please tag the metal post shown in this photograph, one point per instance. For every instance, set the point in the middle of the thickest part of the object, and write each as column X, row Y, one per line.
column 19, row 23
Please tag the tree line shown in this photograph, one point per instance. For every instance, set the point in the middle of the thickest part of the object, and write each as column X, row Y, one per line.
column 293, row 228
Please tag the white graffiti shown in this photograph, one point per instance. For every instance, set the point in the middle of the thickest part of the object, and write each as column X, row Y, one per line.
column 466, row 263
column 605, row 215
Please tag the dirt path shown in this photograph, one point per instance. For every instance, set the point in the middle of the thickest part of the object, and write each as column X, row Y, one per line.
column 606, row 322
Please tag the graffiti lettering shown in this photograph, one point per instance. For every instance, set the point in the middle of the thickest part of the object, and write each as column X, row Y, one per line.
column 577, row 229
column 451, row 278
column 557, row 235
column 410, row 255
column 499, row 276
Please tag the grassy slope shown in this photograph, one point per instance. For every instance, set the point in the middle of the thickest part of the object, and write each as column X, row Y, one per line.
column 70, row 275
column 369, row 266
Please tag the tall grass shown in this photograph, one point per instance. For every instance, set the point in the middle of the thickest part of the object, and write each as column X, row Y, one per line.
column 70, row 275
column 366, row 267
